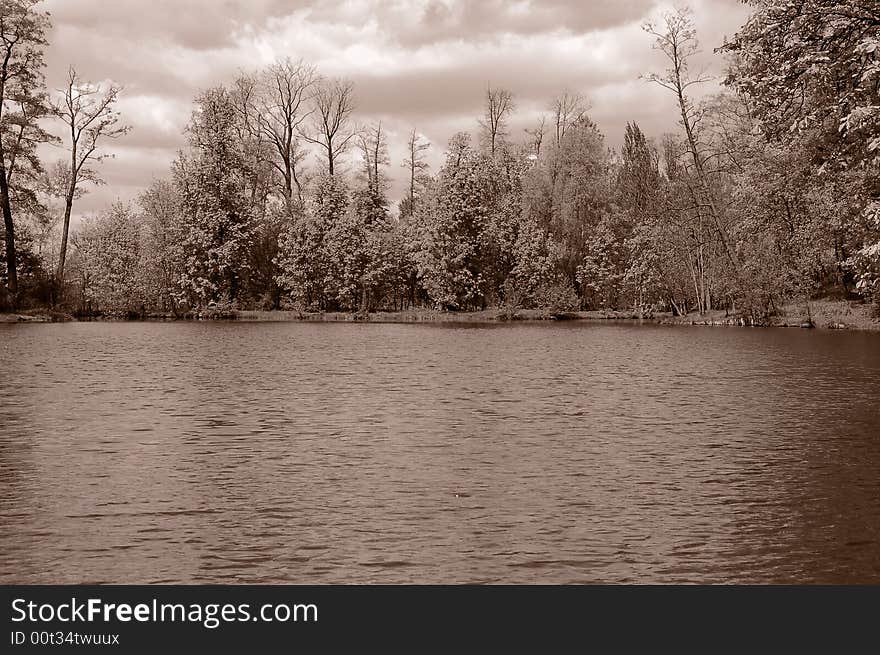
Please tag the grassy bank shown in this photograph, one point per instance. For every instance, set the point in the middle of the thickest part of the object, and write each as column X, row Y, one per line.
column 409, row 316
column 823, row 314
column 36, row 316
column 432, row 316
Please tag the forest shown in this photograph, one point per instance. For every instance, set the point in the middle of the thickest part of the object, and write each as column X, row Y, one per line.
column 767, row 193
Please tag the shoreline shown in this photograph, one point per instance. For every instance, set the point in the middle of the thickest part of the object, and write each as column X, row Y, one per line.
column 823, row 314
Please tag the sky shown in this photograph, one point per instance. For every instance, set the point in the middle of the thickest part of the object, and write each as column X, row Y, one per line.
column 421, row 64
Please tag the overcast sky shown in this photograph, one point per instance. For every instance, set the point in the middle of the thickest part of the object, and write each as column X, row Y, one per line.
column 415, row 63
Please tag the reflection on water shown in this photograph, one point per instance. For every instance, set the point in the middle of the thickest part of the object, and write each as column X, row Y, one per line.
column 309, row 453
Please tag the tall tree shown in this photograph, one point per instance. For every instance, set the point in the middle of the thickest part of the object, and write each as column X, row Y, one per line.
column 373, row 144
column 22, row 105
column 417, row 168
column 89, row 115
column 309, row 257
column 112, row 260
column 568, row 109
column 498, row 108
column 810, row 71
column 457, row 220
column 216, row 203
column 333, row 106
column 676, row 38
column 285, row 91
column 638, row 177
column 536, row 137
column 638, row 194
column 164, row 235
column 370, row 201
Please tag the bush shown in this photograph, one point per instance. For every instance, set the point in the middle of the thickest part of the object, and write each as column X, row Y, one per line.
column 557, row 298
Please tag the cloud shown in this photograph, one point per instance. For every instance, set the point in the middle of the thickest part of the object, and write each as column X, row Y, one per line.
column 415, row 63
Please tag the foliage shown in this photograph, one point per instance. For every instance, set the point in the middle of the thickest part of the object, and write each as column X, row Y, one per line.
column 112, row 261
column 211, row 183
column 767, row 193
column 811, row 73
column 23, row 105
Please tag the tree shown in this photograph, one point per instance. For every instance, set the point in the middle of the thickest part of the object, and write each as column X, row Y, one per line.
column 639, row 185
column 811, row 68
column 638, row 178
column 568, row 109
column 111, row 261
column 417, row 168
column 89, row 117
column 164, row 235
column 285, row 90
column 452, row 260
column 567, row 193
column 498, row 107
column 371, row 203
column 216, row 205
column 313, row 245
column 22, row 105
column 536, row 137
column 810, row 71
column 676, row 38
column 333, row 107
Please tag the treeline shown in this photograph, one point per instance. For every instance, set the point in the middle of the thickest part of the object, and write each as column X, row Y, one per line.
column 767, row 194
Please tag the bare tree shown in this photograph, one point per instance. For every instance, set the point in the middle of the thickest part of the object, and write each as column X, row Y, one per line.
column 286, row 88
column 333, row 107
column 89, row 116
column 676, row 38
column 568, row 108
column 536, row 136
column 499, row 106
column 415, row 164
column 256, row 150
column 374, row 150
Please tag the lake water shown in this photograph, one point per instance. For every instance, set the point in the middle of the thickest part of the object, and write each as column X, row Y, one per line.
column 313, row 453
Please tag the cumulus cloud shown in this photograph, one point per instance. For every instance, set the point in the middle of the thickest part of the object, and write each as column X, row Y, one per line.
column 415, row 63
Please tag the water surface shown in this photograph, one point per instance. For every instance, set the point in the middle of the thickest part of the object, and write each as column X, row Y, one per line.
column 312, row 453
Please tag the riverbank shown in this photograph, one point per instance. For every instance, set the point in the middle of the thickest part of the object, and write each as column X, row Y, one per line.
column 822, row 314
column 37, row 316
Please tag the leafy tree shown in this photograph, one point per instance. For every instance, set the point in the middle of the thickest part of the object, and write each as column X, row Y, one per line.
column 112, row 261
column 217, row 212
column 23, row 104
column 164, row 234
column 451, row 260
column 811, row 73
column 308, row 257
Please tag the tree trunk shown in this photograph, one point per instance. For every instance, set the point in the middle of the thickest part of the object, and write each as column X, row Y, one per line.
column 11, row 263
column 65, row 229
column 329, row 155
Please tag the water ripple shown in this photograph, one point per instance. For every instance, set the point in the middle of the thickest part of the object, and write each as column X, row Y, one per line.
column 297, row 453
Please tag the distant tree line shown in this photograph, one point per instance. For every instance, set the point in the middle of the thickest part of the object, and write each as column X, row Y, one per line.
column 768, row 193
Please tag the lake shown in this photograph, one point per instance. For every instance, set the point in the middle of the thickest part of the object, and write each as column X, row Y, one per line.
column 521, row 453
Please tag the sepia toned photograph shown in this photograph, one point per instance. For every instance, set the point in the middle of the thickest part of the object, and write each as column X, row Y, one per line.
column 439, row 292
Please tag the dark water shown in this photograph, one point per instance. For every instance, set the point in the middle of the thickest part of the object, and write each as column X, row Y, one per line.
column 309, row 453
